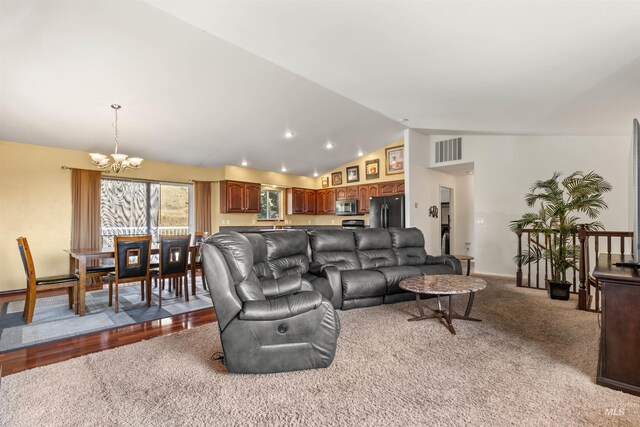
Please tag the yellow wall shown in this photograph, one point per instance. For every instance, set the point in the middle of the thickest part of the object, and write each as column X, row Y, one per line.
column 35, row 202
column 378, row 154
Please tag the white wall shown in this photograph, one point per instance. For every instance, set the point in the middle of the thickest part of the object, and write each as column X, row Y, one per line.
column 506, row 166
column 423, row 189
column 463, row 216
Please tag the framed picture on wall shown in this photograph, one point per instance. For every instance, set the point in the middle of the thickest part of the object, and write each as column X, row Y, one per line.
column 353, row 174
column 394, row 160
column 325, row 181
column 336, row 178
column 372, row 169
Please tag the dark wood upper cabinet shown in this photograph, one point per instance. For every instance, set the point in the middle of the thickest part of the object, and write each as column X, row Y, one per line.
column 352, row 192
column 341, row 193
column 321, row 202
column 390, row 188
column 330, row 198
column 301, row 201
column 310, row 202
column 252, row 197
column 364, row 193
column 239, row 197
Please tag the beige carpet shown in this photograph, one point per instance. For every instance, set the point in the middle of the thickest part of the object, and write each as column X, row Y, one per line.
column 531, row 362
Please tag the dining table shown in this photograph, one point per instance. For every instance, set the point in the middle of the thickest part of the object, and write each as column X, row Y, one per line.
column 79, row 257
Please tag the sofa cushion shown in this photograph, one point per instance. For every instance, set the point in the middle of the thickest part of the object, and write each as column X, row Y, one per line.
column 408, row 245
column 319, row 284
column 362, row 284
column 393, row 276
column 260, row 266
column 374, row 248
column 336, row 247
column 287, row 252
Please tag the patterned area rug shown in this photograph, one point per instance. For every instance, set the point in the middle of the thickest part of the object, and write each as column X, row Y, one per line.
column 53, row 320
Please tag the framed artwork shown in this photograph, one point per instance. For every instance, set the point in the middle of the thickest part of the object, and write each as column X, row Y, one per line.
column 372, row 169
column 394, row 160
column 336, row 178
column 353, row 174
column 325, row 181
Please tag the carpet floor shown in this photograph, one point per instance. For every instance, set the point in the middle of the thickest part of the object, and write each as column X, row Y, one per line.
column 531, row 362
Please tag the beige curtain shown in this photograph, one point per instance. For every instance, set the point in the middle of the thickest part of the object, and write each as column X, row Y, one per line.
column 202, row 195
column 85, row 199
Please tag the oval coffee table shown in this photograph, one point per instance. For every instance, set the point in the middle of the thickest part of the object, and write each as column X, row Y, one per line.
column 444, row 284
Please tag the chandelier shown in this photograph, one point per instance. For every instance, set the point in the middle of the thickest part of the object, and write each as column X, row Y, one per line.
column 118, row 161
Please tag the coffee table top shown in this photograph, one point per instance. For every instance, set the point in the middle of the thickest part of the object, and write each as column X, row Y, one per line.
column 443, row 284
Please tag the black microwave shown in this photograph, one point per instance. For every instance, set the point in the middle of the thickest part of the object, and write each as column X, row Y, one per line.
column 347, row 207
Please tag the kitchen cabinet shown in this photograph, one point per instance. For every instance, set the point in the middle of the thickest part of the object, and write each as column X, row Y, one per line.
column 364, row 193
column 391, row 188
column 239, row 197
column 326, row 201
column 310, row 202
column 301, row 201
column 349, row 192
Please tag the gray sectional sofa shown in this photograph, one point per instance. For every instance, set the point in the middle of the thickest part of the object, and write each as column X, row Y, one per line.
column 350, row 268
column 275, row 294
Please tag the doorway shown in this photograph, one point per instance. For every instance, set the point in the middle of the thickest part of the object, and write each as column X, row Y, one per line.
column 446, row 214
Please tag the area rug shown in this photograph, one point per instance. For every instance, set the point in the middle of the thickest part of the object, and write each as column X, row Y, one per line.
column 531, row 362
column 53, row 320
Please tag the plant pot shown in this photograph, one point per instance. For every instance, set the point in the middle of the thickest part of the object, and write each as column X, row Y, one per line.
column 558, row 290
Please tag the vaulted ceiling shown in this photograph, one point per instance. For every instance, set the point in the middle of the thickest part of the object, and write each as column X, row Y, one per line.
column 215, row 82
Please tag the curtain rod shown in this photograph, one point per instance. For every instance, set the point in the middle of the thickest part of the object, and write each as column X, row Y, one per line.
column 197, row 180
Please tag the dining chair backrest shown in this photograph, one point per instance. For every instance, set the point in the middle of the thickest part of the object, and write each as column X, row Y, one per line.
column 27, row 260
column 198, row 239
column 132, row 256
column 174, row 254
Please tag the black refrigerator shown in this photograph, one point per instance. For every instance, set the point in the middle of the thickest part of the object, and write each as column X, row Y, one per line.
column 386, row 211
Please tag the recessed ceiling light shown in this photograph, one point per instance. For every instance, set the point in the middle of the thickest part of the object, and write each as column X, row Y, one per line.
column 469, row 172
column 329, row 145
column 403, row 120
column 288, row 134
column 315, row 174
column 284, row 169
column 244, row 163
column 360, row 153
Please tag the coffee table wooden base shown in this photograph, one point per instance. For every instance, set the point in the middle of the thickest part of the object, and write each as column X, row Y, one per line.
column 444, row 314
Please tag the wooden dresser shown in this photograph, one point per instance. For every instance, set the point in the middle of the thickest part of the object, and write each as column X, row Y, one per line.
column 619, row 361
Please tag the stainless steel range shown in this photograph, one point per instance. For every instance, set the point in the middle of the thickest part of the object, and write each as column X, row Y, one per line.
column 353, row 224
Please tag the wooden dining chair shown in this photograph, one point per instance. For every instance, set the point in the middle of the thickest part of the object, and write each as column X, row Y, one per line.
column 198, row 238
column 174, row 254
column 35, row 284
column 132, row 258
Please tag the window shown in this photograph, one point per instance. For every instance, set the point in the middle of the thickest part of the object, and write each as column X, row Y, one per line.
column 269, row 204
column 130, row 207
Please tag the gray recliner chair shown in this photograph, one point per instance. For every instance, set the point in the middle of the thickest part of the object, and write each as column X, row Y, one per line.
column 290, row 329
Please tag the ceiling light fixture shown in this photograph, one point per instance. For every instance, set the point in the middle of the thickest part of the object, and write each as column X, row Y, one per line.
column 288, row 134
column 329, row 145
column 360, row 153
column 284, row 169
column 244, row 163
column 315, row 174
column 120, row 161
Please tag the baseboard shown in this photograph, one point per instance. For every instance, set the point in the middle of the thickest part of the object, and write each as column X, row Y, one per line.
column 486, row 273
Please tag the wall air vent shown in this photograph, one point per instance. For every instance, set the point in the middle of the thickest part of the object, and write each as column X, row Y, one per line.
column 449, row 150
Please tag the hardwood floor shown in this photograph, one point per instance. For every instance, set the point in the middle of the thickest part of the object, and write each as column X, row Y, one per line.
column 58, row 351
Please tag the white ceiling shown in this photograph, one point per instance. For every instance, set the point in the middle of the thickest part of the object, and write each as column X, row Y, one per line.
column 213, row 82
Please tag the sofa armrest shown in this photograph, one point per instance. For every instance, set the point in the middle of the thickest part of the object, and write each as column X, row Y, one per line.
column 282, row 286
column 281, row 307
column 333, row 276
column 449, row 260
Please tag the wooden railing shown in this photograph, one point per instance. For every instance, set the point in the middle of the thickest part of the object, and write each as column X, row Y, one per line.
column 583, row 283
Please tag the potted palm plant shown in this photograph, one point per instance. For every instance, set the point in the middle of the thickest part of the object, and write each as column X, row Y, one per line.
column 557, row 220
